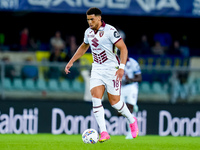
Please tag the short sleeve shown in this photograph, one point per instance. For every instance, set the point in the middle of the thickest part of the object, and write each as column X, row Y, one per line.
column 114, row 35
column 86, row 38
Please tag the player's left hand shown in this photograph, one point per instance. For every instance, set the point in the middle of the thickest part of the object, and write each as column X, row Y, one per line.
column 119, row 74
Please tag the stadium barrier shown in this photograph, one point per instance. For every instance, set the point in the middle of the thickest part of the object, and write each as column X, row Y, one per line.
column 73, row 117
column 160, row 83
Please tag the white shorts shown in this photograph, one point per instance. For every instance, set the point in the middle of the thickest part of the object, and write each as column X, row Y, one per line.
column 106, row 78
column 129, row 93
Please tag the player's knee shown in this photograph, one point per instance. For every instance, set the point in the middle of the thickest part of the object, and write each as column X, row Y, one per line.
column 113, row 99
column 97, row 93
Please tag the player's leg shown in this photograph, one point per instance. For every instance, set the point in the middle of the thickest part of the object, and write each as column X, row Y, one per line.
column 97, row 89
column 122, row 108
column 98, row 110
column 113, row 87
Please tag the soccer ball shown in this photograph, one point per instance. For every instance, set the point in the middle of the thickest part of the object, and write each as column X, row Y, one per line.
column 90, row 136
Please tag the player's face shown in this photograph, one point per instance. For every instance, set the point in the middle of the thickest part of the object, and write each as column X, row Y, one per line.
column 94, row 21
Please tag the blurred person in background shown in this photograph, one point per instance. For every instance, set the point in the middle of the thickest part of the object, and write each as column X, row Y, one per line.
column 24, row 39
column 29, row 71
column 2, row 42
column 165, row 39
column 34, row 44
column 143, row 47
column 175, row 50
column 10, row 71
column 55, row 57
column 180, row 48
column 157, row 49
column 106, row 73
column 129, row 90
column 185, row 49
column 71, row 47
column 57, row 42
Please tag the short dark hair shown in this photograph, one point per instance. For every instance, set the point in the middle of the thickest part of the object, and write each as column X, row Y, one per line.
column 93, row 11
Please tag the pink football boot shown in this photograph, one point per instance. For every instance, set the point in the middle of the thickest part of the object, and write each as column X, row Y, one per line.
column 104, row 137
column 134, row 128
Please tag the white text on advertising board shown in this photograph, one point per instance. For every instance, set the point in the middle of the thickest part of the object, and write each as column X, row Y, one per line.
column 26, row 123
column 77, row 124
column 178, row 126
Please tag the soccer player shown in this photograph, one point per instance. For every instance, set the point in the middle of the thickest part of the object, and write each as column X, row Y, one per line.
column 129, row 91
column 107, row 71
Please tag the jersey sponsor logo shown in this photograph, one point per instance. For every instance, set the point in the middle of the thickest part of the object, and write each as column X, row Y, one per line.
column 100, row 58
column 97, row 49
column 95, row 42
column 90, row 36
column 116, row 34
column 101, row 33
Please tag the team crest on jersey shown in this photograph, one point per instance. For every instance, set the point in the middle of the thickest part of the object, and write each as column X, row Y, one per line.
column 116, row 34
column 101, row 33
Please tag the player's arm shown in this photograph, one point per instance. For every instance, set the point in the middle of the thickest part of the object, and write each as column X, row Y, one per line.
column 123, row 51
column 136, row 78
column 123, row 58
column 80, row 52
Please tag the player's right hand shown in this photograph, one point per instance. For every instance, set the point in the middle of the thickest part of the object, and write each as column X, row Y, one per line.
column 68, row 66
column 119, row 74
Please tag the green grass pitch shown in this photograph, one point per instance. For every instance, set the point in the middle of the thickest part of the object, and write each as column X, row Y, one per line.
column 74, row 142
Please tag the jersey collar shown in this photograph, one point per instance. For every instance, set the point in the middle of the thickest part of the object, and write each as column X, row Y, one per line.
column 102, row 26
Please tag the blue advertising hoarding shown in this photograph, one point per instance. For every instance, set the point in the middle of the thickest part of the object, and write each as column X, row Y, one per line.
column 171, row 8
